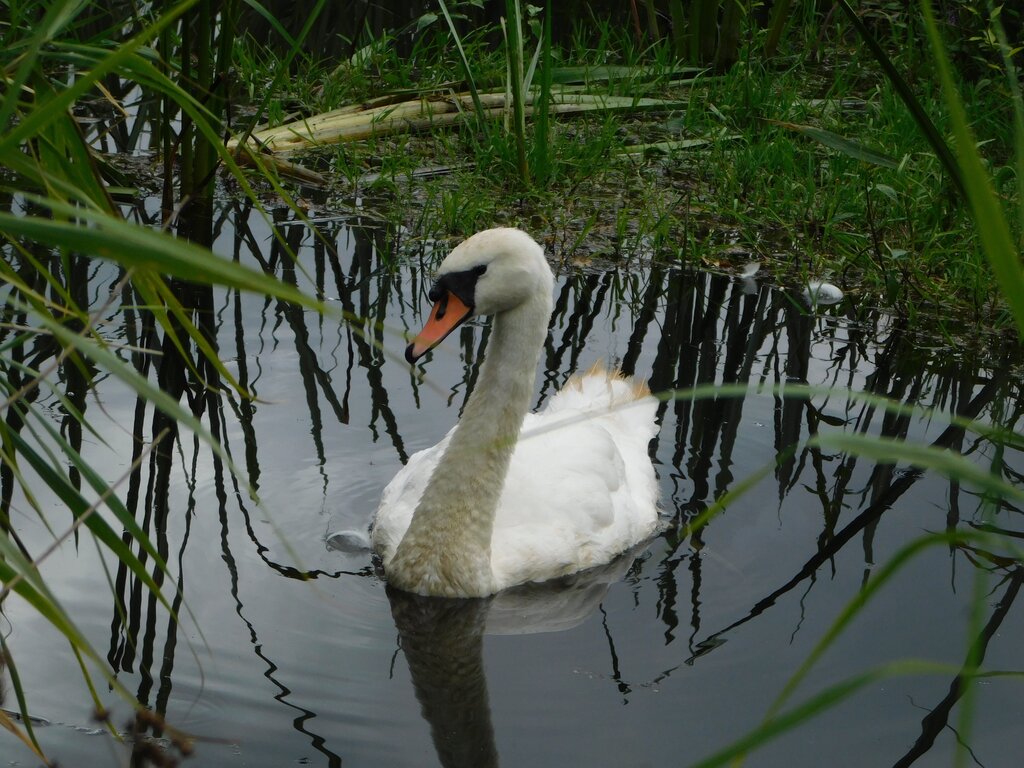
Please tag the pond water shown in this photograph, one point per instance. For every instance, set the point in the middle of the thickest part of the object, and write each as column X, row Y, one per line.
column 289, row 650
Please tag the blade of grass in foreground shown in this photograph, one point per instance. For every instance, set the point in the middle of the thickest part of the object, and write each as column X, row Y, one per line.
column 989, row 218
column 941, row 460
column 817, row 705
column 137, row 247
column 46, row 468
column 28, row 738
column 32, row 589
column 853, row 608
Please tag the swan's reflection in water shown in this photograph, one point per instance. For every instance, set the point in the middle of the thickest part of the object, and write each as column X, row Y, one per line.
column 443, row 638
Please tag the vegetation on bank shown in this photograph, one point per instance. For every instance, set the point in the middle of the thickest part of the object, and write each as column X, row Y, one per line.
column 808, row 162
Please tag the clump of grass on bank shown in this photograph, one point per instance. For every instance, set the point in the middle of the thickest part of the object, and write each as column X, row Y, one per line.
column 814, row 167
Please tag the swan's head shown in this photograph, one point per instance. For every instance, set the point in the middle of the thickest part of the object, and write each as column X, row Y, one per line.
column 491, row 272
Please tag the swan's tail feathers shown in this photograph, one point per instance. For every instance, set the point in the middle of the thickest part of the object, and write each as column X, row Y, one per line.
column 620, row 387
column 610, row 395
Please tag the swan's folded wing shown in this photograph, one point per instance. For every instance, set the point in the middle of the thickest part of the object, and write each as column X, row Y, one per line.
column 577, row 494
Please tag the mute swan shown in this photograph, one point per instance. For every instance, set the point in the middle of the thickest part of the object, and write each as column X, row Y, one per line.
column 488, row 508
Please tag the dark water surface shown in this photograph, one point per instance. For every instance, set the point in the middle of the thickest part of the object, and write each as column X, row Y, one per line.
column 289, row 651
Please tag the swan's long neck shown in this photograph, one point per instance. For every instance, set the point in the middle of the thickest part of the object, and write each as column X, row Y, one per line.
column 447, row 547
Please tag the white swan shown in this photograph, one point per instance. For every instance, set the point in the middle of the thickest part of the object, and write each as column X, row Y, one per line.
column 487, row 507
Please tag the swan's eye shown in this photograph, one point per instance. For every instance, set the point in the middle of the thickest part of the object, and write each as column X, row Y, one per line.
column 479, row 269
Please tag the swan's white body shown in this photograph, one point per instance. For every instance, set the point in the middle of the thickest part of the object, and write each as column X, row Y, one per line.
column 491, row 506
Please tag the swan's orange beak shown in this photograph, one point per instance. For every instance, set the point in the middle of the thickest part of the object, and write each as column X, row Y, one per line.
column 448, row 313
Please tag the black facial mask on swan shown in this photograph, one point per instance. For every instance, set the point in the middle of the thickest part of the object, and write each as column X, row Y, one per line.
column 453, row 295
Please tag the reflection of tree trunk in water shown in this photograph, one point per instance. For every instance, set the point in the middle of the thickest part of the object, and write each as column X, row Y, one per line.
column 744, row 321
column 937, row 720
column 882, row 381
column 313, row 377
column 963, row 394
column 442, row 640
column 245, row 410
column 689, row 325
column 14, row 421
column 195, row 223
column 206, row 399
column 907, row 388
column 676, row 363
column 221, row 478
column 142, row 335
column 705, row 417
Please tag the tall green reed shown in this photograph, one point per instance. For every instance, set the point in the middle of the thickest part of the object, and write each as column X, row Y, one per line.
column 58, row 212
column 707, row 33
column 532, row 153
column 512, row 26
column 1001, row 247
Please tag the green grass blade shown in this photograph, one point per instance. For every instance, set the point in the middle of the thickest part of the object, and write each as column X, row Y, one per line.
column 111, row 500
column 276, row 25
column 848, row 147
column 203, row 344
column 532, row 69
column 542, row 120
column 114, row 365
column 143, row 249
column 945, row 462
column 1013, row 84
column 284, row 68
column 34, row 122
column 854, row 607
column 816, row 705
column 470, row 81
column 97, row 702
column 993, row 230
column 19, row 693
column 36, row 594
column 31, row 588
column 61, row 486
column 924, row 122
column 514, row 53
column 61, row 148
column 57, row 16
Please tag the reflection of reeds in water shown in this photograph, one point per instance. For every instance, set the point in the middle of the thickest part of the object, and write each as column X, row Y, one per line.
column 697, row 330
column 937, row 719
